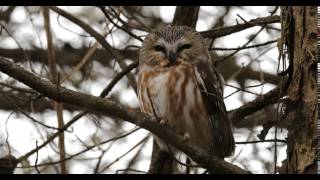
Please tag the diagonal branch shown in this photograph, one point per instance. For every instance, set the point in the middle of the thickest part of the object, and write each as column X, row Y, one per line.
column 118, row 56
column 111, row 108
column 237, row 115
column 219, row 32
column 81, row 114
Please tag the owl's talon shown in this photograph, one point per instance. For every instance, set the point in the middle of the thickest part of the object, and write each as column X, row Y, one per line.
column 186, row 137
column 162, row 122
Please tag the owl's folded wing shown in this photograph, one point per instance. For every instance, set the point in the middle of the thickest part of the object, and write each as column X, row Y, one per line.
column 211, row 84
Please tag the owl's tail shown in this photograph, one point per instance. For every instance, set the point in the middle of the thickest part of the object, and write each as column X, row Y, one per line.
column 223, row 139
column 162, row 162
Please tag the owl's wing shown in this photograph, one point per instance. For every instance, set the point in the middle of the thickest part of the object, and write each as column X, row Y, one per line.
column 211, row 84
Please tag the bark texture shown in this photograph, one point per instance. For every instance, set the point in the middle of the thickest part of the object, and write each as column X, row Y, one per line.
column 299, row 33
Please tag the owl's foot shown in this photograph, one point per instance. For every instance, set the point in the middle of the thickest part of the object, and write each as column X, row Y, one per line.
column 162, row 122
column 186, row 137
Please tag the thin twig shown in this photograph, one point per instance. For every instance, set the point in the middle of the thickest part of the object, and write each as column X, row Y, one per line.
column 25, row 55
column 240, row 89
column 243, row 47
column 134, row 170
column 30, row 117
column 36, row 163
column 102, row 8
column 117, row 78
column 7, row 133
column 144, row 140
column 260, row 102
column 85, row 58
column 86, row 149
column 96, row 169
column 135, row 158
column 219, row 32
column 120, row 59
column 263, row 141
column 55, row 79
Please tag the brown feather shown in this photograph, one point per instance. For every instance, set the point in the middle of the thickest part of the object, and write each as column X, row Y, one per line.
column 223, row 141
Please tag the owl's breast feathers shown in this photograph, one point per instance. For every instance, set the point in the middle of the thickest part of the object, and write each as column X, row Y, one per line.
column 174, row 95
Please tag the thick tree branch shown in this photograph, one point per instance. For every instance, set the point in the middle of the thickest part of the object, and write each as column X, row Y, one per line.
column 111, row 108
column 27, row 102
column 186, row 16
column 5, row 15
column 237, row 115
column 66, row 56
column 78, row 116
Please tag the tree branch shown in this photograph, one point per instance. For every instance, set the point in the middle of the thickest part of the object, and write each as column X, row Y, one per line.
column 65, row 56
column 120, row 59
column 237, row 115
column 76, row 117
column 5, row 15
column 111, row 108
column 219, row 32
column 186, row 16
column 55, row 80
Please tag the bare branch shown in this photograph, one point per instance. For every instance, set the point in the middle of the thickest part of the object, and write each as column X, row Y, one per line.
column 65, row 56
column 5, row 15
column 237, row 115
column 111, row 108
column 262, row 141
column 219, row 32
column 243, row 47
column 142, row 141
column 102, row 8
column 75, row 118
column 87, row 148
column 55, row 79
column 120, row 59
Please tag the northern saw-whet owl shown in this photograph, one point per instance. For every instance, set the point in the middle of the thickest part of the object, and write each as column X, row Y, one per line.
column 178, row 84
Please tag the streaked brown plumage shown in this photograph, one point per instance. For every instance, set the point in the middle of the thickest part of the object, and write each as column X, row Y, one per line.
column 177, row 83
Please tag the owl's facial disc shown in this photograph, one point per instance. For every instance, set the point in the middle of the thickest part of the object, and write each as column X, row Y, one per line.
column 174, row 53
column 171, row 52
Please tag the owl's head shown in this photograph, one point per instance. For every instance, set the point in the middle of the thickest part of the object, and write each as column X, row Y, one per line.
column 171, row 45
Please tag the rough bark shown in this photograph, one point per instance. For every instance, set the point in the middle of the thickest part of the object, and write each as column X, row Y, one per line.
column 299, row 32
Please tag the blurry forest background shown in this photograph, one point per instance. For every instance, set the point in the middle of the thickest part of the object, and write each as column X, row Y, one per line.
column 85, row 49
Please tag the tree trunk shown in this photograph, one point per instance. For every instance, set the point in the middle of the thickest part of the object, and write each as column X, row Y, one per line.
column 299, row 35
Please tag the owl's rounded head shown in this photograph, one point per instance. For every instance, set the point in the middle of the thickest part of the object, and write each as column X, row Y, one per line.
column 171, row 45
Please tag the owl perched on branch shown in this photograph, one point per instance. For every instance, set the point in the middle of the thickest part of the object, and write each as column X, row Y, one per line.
column 178, row 85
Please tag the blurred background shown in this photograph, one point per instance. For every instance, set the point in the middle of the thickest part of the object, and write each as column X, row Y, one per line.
column 87, row 67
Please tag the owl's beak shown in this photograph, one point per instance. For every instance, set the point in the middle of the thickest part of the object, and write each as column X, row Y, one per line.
column 172, row 56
